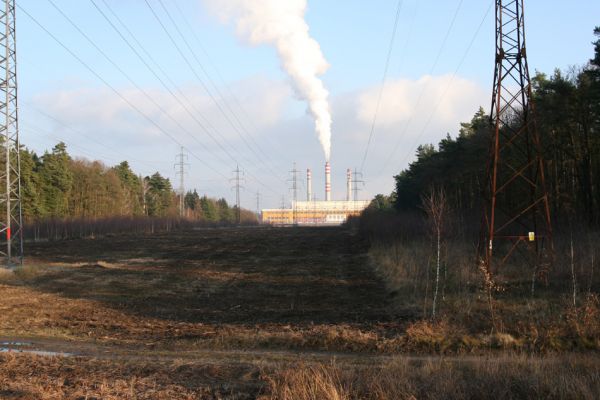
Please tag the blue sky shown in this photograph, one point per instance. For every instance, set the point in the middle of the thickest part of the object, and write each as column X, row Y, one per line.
column 250, row 86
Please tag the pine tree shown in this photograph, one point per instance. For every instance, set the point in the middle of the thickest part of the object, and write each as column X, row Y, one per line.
column 56, row 180
column 209, row 209
column 30, row 193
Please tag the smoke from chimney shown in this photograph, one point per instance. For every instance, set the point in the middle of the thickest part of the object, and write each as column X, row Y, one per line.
column 282, row 24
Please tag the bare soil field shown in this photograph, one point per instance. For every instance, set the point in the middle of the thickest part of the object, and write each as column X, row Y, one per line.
column 227, row 313
column 229, row 288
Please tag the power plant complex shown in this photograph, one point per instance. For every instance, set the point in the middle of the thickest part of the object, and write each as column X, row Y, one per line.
column 313, row 212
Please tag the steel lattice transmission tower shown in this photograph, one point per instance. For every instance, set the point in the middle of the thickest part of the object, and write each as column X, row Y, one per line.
column 181, row 164
column 517, row 215
column 11, row 219
column 237, row 179
column 294, row 181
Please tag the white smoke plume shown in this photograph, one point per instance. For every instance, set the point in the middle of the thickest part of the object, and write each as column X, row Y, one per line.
column 281, row 23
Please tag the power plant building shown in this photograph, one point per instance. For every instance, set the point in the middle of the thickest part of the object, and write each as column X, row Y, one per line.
column 314, row 213
column 317, row 213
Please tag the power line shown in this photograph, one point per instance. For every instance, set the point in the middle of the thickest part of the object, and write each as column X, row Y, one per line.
column 113, row 89
column 92, row 154
column 406, row 43
column 383, row 81
column 449, row 85
column 216, row 70
column 220, row 95
column 189, row 64
column 157, row 65
column 26, row 127
column 89, row 137
column 186, row 60
column 190, row 113
column 161, row 81
column 127, row 76
column 433, row 67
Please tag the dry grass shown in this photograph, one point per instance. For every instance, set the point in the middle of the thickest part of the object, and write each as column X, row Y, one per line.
column 30, row 377
column 290, row 295
column 185, row 292
column 309, row 382
column 498, row 378
column 6, row 275
column 505, row 377
column 545, row 322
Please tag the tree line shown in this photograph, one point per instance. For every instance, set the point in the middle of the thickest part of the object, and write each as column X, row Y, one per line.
column 56, row 186
column 567, row 106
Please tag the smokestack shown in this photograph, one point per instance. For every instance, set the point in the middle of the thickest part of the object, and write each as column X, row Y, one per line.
column 348, row 185
column 308, row 185
column 327, row 181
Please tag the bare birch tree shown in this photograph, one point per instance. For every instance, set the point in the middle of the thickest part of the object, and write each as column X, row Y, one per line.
column 435, row 205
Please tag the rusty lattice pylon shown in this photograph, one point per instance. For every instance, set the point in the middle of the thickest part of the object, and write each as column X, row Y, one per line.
column 517, row 215
column 11, row 219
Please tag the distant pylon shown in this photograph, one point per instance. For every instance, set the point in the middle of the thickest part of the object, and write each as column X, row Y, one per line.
column 11, row 218
column 258, row 205
column 517, row 215
column 356, row 180
column 294, row 181
column 237, row 180
column 181, row 164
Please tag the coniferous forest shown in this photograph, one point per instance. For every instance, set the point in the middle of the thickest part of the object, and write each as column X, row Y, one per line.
column 567, row 108
column 63, row 197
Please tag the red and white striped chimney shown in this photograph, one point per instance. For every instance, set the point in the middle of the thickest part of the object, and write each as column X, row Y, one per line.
column 308, row 185
column 348, row 185
column 327, row 181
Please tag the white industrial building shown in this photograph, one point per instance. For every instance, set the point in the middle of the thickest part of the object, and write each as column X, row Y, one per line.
column 317, row 213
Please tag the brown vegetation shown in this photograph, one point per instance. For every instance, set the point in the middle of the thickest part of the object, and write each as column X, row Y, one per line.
column 55, row 229
column 247, row 312
column 30, row 377
column 211, row 288
column 401, row 378
column 544, row 321
column 26, row 377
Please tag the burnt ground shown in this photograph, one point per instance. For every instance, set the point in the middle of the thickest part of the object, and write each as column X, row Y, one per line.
column 242, row 314
column 237, row 297
column 236, row 276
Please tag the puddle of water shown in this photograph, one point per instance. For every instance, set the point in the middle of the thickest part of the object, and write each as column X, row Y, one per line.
column 36, row 352
column 15, row 344
column 19, row 349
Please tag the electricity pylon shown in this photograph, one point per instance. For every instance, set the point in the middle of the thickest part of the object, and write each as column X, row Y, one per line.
column 11, row 218
column 357, row 178
column 181, row 164
column 258, row 205
column 517, row 214
column 294, row 181
column 237, row 180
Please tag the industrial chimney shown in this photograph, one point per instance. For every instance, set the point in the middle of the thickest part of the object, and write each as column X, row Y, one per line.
column 349, row 185
column 308, row 185
column 327, row 181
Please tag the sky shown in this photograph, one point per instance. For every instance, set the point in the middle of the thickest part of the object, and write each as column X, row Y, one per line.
column 208, row 87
